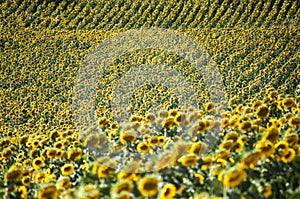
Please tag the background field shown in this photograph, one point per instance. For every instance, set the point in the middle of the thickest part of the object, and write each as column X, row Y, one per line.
column 254, row 44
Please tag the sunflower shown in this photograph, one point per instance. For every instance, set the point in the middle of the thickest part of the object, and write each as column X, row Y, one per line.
column 245, row 126
column 58, row 145
column 169, row 122
column 272, row 134
column 20, row 156
column 234, row 177
column 27, row 163
column 161, row 140
column 127, row 137
column 180, row 118
column 288, row 103
column 294, row 121
column 123, row 185
column 14, row 175
column 34, row 153
column 267, row 191
column 262, row 111
column 105, row 171
column 231, row 136
column 153, row 141
column 123, row 195
column 239, row 145
column 7, row 153
column 251, row 160
column 23, row 191
column 292, row 139
column 207, row 163
column 148, row 186
column 289, row 156
column 67, row 169
column 227, row 145
column 51, row 153
column 198, row 128
column 143, row 147
column 103, row 121
column 38, row 163
column 198, row 148
column 75, row 154
column 266, row 148
column 168, row 191
column 200, row 178
column 26, row 180
column 150, row 117
column 35, row 143
column 65, row 183
column 49, row 192
column 188, row 160
column 59, row 154
column 282, row 147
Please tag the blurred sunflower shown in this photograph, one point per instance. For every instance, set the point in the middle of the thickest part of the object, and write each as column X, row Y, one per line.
column 148, row 186
column 13, row 176
column 262, row 112
column 200, row 178
column 65, row 183
column 291, row 139
column 67, row 169
column 234, row 177
column 188, row 160
column 105, row 171
column 49, row 192
column 294, row 122
column 23, row 191
column 198, row 148
column 127, row 137
column 289, row 156
column 251, row 160
column 267, row 191
column 38, row 163
column 272, row 134
column 123, row 185
column 75, row 153
column 266, row 148
column 143, row 147
column 168, row 192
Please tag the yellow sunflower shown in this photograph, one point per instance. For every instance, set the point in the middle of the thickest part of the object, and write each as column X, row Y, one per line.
column 143, row 147
column 234, row 177
column 13, row 176
column 200, row 178
column 272, row 134
column 65, row 183
column 168, row 192
column 289, row 156
column 266, row 148
column 262, row 112
column 49, row 192
column 251, row 160
column 67, row 169
column 23, row 191
column 267, row 191
column 188, row 160
column 127, row 137
column 38, row 163
column 123, row 185
column 148, row 186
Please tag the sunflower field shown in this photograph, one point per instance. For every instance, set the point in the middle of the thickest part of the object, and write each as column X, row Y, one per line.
column 107, row 99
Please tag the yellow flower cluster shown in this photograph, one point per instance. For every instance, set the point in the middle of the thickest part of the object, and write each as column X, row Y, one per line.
column 247, row 146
